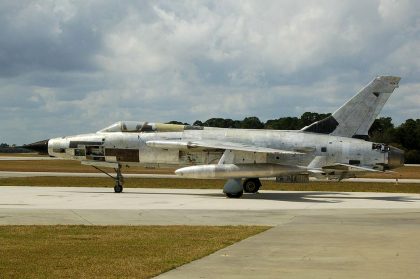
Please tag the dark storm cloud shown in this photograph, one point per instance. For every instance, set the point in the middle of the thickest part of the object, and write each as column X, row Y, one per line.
column 38, row 39
column 58, row 36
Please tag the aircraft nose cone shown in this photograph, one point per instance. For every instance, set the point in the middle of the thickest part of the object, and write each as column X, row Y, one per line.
column 395, row 158
column 39, row 146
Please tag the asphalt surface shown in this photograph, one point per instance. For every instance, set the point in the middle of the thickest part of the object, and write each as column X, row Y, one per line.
column 314, row 234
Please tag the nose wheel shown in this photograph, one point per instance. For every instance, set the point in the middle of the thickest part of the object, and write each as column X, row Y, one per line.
column 118, row 188
column 119, row 180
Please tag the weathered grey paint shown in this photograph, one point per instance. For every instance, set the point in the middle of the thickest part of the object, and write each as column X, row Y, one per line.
column 332, row 148
column 323, row 148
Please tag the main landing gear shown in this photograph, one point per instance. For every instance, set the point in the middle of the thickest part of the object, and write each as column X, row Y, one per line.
column 251, row 185
column 234, row 189
column 119, row 179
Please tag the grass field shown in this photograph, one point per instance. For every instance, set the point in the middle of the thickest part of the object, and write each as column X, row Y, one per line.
column 21, row 155
column 408, row 172
column 211, row 184
column 70, row 166
column 108, row 252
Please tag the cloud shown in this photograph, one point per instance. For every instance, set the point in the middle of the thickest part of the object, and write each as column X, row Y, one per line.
column 73, row 66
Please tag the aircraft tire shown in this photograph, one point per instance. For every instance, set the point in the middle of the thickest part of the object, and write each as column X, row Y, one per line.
column 118, row 188
column 251, row 185
column 235, row 195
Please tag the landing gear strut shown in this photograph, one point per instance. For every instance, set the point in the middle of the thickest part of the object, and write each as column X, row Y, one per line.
column 119, row 179
column 251, row 185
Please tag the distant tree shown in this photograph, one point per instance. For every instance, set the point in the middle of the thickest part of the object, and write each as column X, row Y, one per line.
column 222, row 123
column 4, row 145
column 284, row 123
column 382, row 130
column 310, row 117
column 198, row 123
column 251, row 123
column 229, row 123
column 408, row 134
column 176, row 122
column 215, row 122
column 382, row 124
column 412, row 157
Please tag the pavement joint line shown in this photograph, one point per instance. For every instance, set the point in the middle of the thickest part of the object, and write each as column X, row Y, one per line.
column 81, row 217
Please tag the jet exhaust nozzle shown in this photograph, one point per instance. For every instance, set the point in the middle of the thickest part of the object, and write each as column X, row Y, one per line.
column 395, row 158
column 40, row 146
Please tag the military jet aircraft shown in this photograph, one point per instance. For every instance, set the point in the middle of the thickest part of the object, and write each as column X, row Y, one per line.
column 335, row 147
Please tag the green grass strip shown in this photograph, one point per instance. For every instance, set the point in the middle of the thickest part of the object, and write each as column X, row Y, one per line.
column 109, row 252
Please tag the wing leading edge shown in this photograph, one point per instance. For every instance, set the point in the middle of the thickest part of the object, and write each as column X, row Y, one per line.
column 214, row 144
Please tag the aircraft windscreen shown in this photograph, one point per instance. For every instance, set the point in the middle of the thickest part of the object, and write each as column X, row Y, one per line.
column 136, row 127
column 127, row 126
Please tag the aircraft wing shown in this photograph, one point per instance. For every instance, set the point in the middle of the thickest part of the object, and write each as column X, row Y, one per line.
column 215, row 144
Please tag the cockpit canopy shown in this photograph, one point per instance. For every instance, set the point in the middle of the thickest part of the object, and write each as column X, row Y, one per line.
column 137, row 127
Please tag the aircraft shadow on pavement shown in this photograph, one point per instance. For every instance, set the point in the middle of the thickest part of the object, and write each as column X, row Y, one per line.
column 313, row 197
column 323, row 197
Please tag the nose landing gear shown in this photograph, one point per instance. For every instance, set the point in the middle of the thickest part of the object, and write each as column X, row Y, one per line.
column 119, row 179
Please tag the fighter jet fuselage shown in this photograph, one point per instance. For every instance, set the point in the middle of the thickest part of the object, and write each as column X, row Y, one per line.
column 335, row 147
column 176, row 148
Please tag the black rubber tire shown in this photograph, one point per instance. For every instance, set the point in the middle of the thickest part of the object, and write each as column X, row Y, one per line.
column 234, row 196
column 118, row 188
column 251, row 185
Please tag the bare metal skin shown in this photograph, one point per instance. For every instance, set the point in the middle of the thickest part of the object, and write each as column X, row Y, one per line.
column 330, row 148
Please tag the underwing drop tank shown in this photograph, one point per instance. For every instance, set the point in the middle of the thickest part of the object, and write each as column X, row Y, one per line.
column 237, row 171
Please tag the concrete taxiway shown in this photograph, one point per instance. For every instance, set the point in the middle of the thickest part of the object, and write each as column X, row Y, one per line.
column 320, row 244
column 6, row 174
column 314, row 234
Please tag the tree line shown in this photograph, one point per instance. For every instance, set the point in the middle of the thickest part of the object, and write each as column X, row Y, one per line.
column 405, row 136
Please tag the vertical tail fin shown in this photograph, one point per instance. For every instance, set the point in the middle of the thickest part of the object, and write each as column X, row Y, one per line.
column 357, row 115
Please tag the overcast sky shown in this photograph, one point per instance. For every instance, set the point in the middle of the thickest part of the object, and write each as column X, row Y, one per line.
column 70, row 67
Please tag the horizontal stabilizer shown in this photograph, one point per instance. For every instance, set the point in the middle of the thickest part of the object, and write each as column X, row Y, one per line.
column 352, row 168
